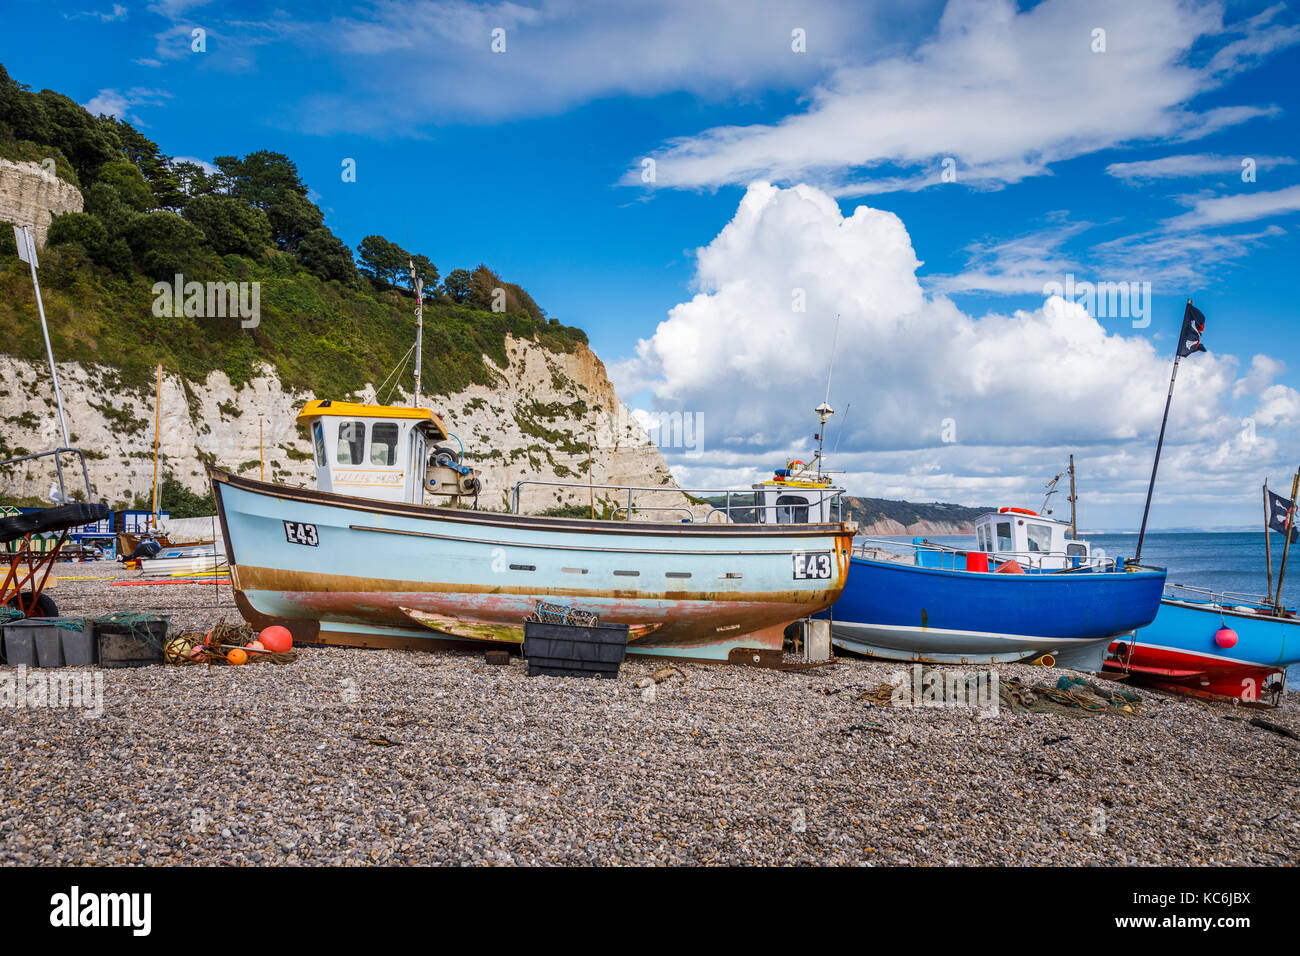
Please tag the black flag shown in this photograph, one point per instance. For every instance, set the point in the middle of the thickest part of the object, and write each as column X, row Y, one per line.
column 1278, row 509
column 1193, row 326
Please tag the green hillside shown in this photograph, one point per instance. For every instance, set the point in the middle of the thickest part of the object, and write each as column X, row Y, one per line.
column 330, row 320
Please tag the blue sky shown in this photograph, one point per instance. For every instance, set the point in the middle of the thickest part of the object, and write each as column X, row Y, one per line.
column 1111, row 157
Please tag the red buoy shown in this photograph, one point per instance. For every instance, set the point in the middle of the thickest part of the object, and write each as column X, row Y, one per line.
column 276, row 638
column 1225, row 637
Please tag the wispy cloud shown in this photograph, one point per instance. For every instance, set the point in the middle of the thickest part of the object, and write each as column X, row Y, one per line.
column 1191, row 165
column 1210, row 211
column 1004, row 93
column 120, row 104
column 116, row 12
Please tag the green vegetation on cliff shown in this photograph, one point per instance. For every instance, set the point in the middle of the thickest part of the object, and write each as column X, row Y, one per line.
column 325, row 325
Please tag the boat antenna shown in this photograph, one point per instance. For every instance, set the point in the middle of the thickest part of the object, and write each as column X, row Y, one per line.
column 839, row 433
column 824, row 410
column 1051, row 490
column 831, row 367
column 417, row 284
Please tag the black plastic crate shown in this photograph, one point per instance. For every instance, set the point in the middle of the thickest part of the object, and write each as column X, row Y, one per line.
column 568, row 650
column 131, row 643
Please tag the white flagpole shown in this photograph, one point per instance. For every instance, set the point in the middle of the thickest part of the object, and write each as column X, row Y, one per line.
column 27, row 251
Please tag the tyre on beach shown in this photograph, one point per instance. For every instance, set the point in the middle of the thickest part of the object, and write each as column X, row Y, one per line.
column 44, row 607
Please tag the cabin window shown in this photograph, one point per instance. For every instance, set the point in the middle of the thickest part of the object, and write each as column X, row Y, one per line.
column 1076, row 550
column 791, row 509
column 1040, row 537
column 352, row 443
column 318, row 439
column 982, row 537
column 1005, row 543
column 383, row 444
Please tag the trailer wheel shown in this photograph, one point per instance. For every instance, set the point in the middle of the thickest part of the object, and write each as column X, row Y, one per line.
column 44, row 607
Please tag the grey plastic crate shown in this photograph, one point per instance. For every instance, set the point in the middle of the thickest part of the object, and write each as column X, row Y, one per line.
column 20, row 644
column 40, row 641
column 79, row 648
column 49, row 646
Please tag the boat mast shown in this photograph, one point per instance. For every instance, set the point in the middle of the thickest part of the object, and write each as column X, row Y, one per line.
column 1074, row 514
column 1286, row 546
column 418, row 285
column 157, row 407
column 1268, row 546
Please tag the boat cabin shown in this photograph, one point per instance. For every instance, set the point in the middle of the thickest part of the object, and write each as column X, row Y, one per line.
column 372, row 451
column 795, row 495
column 1034, row 541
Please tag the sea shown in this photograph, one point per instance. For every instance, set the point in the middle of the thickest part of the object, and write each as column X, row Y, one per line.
column 1222, row 561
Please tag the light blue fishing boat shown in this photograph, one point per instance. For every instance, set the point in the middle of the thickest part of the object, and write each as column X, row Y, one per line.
column 376, row 567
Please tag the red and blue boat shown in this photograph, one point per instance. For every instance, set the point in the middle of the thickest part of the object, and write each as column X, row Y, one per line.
column 1212, row 645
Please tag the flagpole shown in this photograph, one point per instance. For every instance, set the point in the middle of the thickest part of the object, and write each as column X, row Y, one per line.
column 1286, row 546
column 1137, row 558
column 1268, row 547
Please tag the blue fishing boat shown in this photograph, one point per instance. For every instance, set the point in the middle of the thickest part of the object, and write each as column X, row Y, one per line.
column 1026, row 592
column 362, row 561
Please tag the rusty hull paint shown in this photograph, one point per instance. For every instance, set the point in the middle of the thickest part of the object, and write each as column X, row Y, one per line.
column 674, row 627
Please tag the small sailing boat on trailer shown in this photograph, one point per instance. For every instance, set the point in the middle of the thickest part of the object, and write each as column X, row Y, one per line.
column 362, row 561
column 1208, row 644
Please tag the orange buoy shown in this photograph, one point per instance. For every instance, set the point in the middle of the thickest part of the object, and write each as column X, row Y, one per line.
column 254, row 646
column 276, row 638
column 237, row 656
column 1009, row 567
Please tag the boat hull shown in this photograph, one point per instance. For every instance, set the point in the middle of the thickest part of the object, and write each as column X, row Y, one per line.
column 1178, row 652
column 383, row 574
column 907, row 613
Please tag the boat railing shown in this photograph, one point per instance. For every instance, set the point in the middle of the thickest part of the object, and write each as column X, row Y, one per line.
column 1220, row 597
column 821, row 496
column 57, row 454
column 1031, row 559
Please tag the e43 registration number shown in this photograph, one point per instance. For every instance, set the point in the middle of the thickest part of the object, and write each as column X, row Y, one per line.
column 812, row 565
column 297, row 532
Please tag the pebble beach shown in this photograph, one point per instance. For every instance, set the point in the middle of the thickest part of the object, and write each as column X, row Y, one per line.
column 355, row 757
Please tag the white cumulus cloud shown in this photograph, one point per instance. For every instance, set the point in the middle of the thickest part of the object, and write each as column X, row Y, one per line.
column 1018, row 392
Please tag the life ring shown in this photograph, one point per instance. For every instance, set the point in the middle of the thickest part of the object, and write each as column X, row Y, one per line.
column 790, row 464
column 1017, row 511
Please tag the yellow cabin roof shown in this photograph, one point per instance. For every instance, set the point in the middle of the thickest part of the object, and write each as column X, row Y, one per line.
column 321, row 408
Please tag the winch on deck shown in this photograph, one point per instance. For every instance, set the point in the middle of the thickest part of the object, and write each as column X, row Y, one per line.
column 385, row 452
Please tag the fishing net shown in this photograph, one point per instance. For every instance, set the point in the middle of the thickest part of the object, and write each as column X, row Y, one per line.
column 8, row 614
column 193, row 647
column 149, row 629
column 563, row 614
column 1073, row 696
